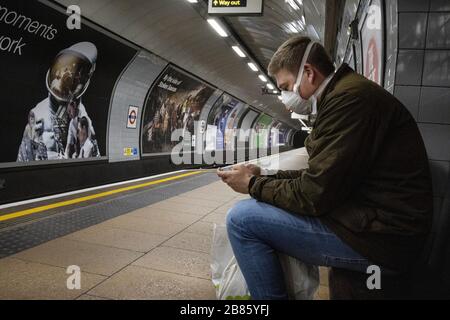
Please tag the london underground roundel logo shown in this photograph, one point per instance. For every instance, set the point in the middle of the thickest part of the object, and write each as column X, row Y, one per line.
column 132, row 117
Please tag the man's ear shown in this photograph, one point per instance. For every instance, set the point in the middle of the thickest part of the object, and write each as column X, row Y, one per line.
column 310, row 73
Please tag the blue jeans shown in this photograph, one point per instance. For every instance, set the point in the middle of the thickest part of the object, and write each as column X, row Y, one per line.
column 257, row 231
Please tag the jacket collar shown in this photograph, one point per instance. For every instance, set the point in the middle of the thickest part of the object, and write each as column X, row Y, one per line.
column 343, row 70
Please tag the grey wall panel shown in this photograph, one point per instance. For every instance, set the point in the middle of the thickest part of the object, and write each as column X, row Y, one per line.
column 209, row 104
column 391, row 28
column 247, row 123
column 350, row 9
column 412, row 30
column 389, row 75
column 437, row 68
column 291, row 137
column 359, row 58
column 409, row 67
column 391, row 41
column 437, row 140
column 440, row 5
column 409, row 96
column 248, row 120
column 435, row 105
column 413, row 5
column 131, row 90
column 430, row 94
column 438, row 35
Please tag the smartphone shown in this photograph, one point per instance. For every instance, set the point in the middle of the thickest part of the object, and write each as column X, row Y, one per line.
column 227, row 168
column 215, row 169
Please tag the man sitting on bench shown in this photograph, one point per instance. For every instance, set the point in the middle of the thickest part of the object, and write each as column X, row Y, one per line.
column 366, row 196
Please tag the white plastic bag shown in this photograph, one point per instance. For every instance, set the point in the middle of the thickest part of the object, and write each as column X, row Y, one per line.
column 302, row 280
column 226, row 275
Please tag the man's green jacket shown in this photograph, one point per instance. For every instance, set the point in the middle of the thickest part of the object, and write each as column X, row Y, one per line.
column 368, row 178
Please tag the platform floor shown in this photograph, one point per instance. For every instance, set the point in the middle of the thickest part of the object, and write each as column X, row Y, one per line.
column 159, row 251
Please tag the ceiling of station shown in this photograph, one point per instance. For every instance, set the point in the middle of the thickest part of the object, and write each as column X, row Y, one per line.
column 282, row 19
column 174, row 30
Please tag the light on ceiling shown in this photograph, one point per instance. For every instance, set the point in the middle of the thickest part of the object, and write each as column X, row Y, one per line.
column 294, row 26
column 270, row 86
column 263, row 79
column 192, row 1
column 252, row 66
column 293, row 4
column 216, row 26
column 275, row 91
column 238, row 51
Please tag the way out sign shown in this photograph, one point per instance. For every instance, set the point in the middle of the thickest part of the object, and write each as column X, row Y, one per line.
column 132, row 117
column 235, row 7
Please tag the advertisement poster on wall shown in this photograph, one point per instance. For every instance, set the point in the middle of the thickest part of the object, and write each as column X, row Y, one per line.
column 218, row 117
column 175, row 102
column 262, row 129
column 283, row 135
column 211, row 136
column 372, row 32
column 56, row 85
column 274, row 137
column 231, row 126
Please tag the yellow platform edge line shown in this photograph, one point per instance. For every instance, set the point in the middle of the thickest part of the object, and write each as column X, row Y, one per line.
column 60, row 204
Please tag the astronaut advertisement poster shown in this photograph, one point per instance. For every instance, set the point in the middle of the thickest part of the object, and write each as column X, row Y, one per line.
column 57, row 83
column 175, row 102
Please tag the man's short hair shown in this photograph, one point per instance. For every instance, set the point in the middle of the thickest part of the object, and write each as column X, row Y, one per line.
column 290, row 54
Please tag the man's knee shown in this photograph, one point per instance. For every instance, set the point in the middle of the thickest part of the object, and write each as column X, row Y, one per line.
column 237, row 214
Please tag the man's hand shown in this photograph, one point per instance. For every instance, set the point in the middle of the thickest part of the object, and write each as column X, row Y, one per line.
column 253, row 169
column 237, row 179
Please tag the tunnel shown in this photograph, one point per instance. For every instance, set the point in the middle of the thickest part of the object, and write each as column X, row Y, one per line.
column 155, row 149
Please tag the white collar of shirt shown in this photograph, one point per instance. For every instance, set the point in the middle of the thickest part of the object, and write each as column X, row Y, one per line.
column 319, row 91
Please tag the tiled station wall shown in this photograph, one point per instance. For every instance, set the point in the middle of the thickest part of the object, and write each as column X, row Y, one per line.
column 423, row 80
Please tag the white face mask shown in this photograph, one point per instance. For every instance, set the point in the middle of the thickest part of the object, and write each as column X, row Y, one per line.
column 292, row 99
